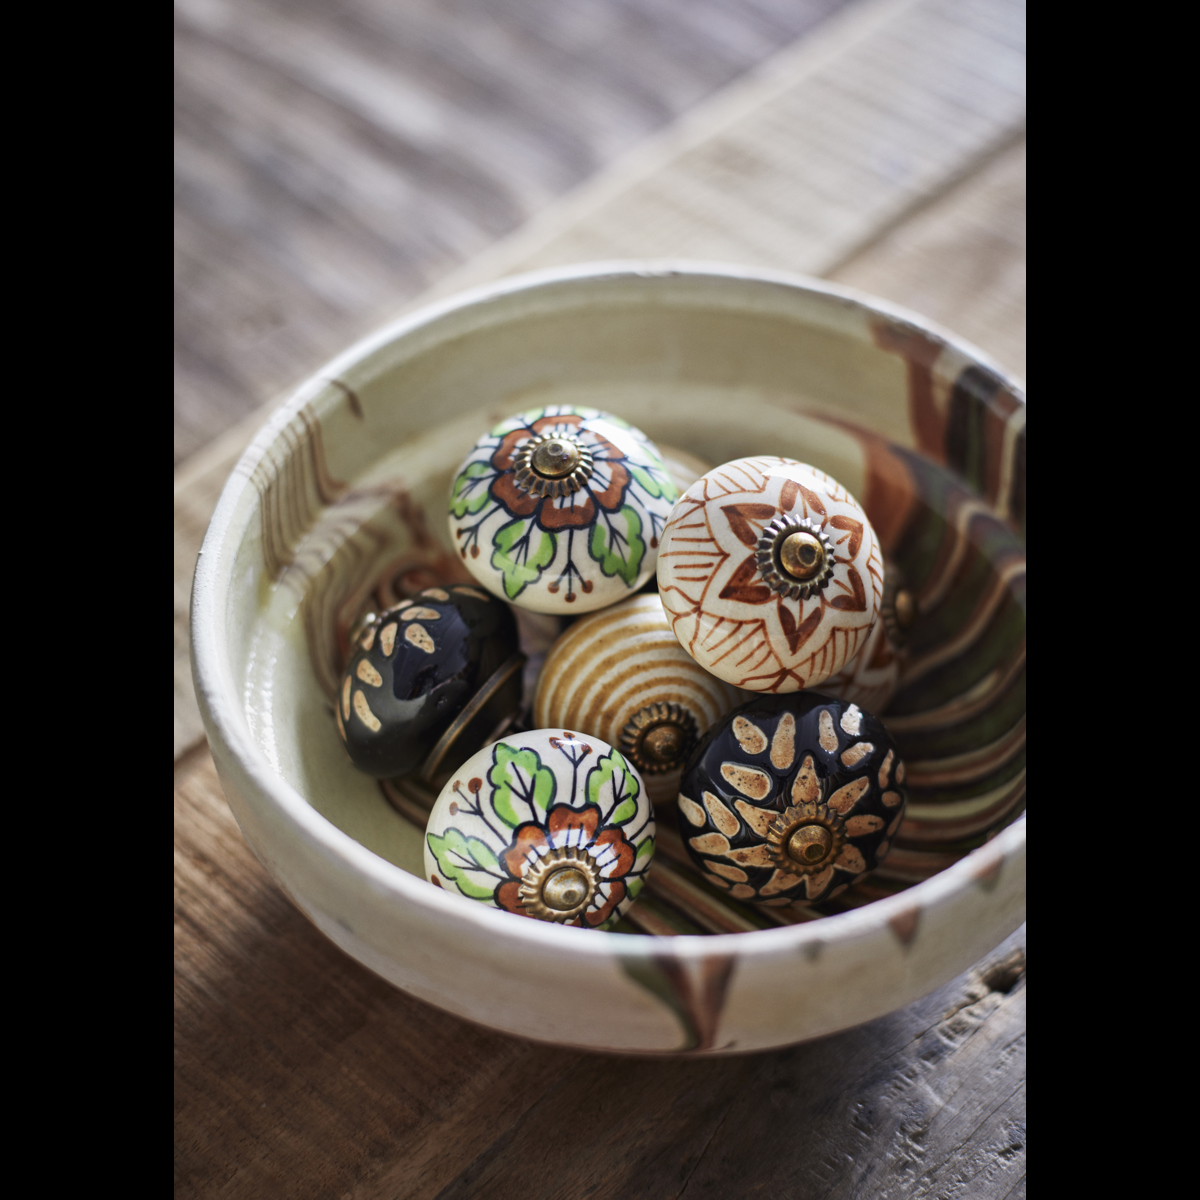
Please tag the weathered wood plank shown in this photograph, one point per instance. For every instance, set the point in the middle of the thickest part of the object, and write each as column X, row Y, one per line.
column 960, row 258
column 332, row 161
column 884, row 1110
column 805, row 165
column 296, row 1064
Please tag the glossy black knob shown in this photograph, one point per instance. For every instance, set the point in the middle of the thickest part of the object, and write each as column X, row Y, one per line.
column 791, row 797
column 415, row 669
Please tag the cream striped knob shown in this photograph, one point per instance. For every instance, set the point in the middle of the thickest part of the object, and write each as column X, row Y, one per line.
column 620, row 675
column 770, row 574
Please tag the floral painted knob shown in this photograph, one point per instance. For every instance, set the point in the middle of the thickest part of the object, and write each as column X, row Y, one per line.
column 548, row 824
column 419, row 673
column 770, row 574
column 561, row 509
column 791, row 798
column 620, row 675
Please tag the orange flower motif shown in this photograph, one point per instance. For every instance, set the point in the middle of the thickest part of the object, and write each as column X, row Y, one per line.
column 605, row 489
column 611, row 859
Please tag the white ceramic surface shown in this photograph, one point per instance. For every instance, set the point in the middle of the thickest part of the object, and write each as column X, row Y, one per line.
column 733, row 606
column 576, row 541
column 536, row 803
column 334, row 490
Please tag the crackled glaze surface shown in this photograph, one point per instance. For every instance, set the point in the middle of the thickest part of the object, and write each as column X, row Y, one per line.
column 570, row 542
column 533, row 809
column 413, row 669
column 792, row 798
column 621, row 675
column 743, row 618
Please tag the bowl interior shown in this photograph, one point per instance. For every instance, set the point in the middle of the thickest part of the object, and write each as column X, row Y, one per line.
column 350, row 498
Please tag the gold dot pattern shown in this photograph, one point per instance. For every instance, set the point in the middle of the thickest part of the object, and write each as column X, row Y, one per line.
column 418, row 635
column 368, row 674
column 749, row 736
column 362, row 710
column 387, row 640
column 826, row 734
column 749, row 781
column 856, row 753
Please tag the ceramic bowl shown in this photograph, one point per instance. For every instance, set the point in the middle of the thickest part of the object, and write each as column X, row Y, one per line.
column 345, row 490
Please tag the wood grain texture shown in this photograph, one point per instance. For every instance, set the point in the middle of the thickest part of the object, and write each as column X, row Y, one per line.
column 809, row 162
column 298, row 1072
column 960, row 258
column 333, row 161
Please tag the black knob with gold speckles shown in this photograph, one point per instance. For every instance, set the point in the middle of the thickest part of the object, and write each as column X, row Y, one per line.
column 791, row 797
column 416, row 670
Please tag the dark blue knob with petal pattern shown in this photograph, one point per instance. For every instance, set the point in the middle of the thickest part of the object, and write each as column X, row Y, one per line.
column 791, row 797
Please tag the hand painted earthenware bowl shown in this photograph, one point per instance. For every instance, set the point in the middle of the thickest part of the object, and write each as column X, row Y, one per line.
column 346, row 488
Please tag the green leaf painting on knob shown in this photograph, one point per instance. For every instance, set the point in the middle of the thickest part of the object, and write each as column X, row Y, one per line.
column 613, row 788
column 522, row 553
column 617, row 545
column 470, row 491
column 654, row 481
column 468, row 861
column 582, row 539
column 523, row 789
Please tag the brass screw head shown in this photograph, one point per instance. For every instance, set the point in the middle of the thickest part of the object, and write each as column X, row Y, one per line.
column 794, row 557
column 906, row 608
column 560, row 885
column 565, row 890
column 802, row 556
column 804, row 838
column 555, row 457
column 810, row 844
column 664, row 744
column 658, row 737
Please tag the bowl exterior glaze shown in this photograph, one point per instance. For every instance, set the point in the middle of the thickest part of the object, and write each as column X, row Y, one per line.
column 676, row 345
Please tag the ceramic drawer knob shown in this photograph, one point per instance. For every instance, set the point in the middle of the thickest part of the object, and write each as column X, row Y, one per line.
column 791, row 798
column 550, row 824
column 870, row 678
column 620, row 675
column 419, row 673
column 561, row 509
column 771, row 574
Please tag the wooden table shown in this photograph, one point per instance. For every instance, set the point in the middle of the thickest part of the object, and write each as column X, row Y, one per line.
column 883, row 147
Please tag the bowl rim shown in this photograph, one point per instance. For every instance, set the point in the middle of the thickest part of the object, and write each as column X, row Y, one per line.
column 229, row 734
